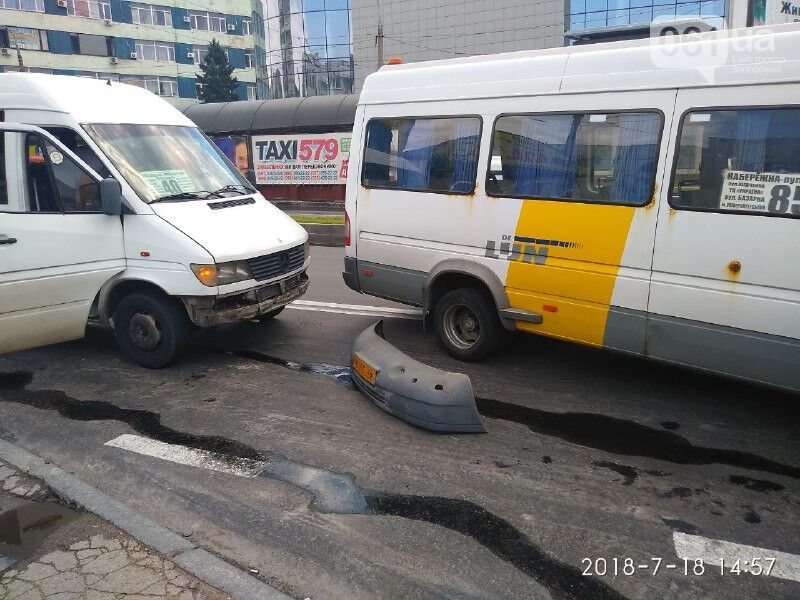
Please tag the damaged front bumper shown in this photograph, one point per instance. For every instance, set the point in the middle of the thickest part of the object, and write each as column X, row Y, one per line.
column 421, row 395
column 208, row 311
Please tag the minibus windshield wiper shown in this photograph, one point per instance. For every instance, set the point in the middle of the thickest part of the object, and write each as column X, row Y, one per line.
column 235, row 187
column 200, row 195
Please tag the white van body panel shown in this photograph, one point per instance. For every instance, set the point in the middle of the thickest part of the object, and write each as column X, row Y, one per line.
column 235, row 233
column 647, row 279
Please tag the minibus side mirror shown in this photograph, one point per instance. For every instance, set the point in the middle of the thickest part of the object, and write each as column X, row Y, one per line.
column 111, row 196
column 251, row 177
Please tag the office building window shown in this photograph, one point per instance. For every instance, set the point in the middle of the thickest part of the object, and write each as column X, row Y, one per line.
column 161, row 86
column 204, row 21
column 247, row 26
column 249, row 59
column 157, row 51
column 31, row 5
column 92, row 45
column 251, row 91
column 95, row 75
column 309, row 48
column 89, row 9
column 151, row 14
column 200, row 53
column 23, row 38
column 591, row 14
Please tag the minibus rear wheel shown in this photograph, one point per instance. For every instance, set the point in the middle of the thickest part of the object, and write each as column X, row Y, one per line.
column 467, row 324
column 150, row 328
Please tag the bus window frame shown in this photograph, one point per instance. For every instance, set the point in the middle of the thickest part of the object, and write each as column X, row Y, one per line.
column 673, row 172
column 470, row 192
column 609, row 111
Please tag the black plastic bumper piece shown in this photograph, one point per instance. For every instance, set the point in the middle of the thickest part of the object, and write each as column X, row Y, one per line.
column 412, row 391
column 350, row 274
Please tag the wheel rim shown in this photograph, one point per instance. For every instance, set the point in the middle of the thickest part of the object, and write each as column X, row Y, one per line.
column 144, row 332
column 461, row 326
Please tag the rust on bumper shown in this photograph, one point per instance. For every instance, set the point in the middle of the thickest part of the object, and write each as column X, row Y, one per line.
column 208, row 311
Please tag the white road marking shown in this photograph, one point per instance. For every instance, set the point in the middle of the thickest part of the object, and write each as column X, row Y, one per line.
column 357, row 309
column 186, row 456
column 690, row 547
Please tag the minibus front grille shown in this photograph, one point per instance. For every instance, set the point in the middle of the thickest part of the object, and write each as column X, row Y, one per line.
column 230, row 203
column 277, row 264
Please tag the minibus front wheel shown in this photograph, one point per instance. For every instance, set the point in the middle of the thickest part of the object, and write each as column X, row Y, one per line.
column 151, row 328
column 467, row 324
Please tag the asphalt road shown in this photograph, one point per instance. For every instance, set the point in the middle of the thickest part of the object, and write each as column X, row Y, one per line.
column 589, row 455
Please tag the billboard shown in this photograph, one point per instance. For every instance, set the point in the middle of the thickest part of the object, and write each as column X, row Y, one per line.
column 304, row 159
column 235, row 148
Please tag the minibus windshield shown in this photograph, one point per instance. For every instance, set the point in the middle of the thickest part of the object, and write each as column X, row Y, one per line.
column 168, row 162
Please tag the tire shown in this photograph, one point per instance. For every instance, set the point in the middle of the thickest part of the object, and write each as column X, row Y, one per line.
column 467, row 325
column 151, row 328
column 269, row 315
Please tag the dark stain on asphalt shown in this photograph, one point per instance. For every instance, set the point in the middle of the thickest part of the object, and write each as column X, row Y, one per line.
column 757, row 485
column 547, row 460
column 628, row 438
column 498, row 535
column 13, row 389
column 333, row 492
column 751, row 517
column 681, row 526
column 339, row 373
column 629, row 473
column 678, row 492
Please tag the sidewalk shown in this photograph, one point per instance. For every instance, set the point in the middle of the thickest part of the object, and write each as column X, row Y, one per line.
column 50, row 552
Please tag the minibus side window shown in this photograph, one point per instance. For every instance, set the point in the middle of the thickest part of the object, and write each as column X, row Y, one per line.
column 740, row 161
column 422, row 154
column 607, row 158
column 55, row 182
column 3, row 180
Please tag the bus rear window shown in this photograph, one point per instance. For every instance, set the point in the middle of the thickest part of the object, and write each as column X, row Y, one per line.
column 422, row 154
column 743, row 161
column 607, row 158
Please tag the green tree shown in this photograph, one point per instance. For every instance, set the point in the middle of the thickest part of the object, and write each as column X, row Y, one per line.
column 217, row 83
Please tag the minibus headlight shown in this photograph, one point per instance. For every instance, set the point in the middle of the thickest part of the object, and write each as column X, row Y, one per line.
column 223, row 273
column 231, row 272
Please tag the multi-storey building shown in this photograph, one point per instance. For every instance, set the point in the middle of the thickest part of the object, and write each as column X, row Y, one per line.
column 157, row 46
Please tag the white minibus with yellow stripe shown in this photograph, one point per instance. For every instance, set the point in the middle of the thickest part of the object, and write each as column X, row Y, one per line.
column 640, row 196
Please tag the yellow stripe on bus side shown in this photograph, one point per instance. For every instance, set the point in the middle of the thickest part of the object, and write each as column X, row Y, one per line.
column 584, row 245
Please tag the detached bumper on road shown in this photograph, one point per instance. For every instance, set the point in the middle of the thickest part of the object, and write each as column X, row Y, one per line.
column 216, row 310
column 406, row 388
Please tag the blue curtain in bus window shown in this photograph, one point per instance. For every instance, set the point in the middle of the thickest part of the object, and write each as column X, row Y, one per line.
column 464, row 154
column 417, row 139
column 782, row 155
column 377, row 157
column 547, row 156
column 636, row 158
column 750, row 142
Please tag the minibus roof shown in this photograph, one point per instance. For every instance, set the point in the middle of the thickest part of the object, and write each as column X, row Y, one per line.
column 756, row 55
column 87, row 100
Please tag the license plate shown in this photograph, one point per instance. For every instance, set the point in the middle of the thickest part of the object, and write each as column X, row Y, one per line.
column 366, row 370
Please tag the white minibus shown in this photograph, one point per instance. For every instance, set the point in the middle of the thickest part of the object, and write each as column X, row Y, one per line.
column 114, row 205
column 642, row 196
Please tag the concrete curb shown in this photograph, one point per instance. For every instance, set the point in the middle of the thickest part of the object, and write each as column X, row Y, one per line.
column 193, row 559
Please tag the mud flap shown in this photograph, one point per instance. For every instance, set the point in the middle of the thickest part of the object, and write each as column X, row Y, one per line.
column 406, row 388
